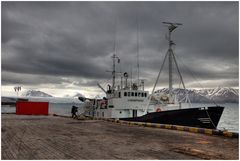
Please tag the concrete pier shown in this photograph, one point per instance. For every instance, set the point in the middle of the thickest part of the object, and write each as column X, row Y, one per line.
column 50, row 137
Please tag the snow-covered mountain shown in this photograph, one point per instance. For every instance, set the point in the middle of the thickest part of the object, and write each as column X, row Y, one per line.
column 223, row 93
column 35, row 93
column 77, row 94
column 219, row 94
column 97, row 97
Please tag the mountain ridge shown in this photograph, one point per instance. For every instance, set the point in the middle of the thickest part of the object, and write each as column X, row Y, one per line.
column 218, row 95
column 35, row 93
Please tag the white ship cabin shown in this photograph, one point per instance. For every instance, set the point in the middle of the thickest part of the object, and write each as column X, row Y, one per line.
column 124, row 104
column 121, row 103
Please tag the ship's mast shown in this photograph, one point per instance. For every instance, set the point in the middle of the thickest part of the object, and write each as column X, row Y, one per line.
column 114, row 57
column 170, row 63
column 171, row 27
column 171, row 57
column 113, row 73
column 138, row 52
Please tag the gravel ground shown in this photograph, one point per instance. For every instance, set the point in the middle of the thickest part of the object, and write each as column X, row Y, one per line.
column 49, row 137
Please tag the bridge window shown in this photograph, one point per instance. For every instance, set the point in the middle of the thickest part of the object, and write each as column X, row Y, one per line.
column 119, row 94
column 142, row 94
column 132, row 93
column 135, row 94
column 129, row 94
column 125, row 94
column 145, row 94
column 139, row 94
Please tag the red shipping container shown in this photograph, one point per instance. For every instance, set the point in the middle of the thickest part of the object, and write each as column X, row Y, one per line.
column 32, row 108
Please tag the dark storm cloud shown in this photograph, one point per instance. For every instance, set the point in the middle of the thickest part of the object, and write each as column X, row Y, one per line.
column 76, row 39
column 26, row 79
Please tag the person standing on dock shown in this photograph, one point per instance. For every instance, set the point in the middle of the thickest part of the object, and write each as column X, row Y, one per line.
column 74, row 111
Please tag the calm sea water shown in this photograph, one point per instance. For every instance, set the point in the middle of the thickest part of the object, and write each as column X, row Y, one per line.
column 228, row 121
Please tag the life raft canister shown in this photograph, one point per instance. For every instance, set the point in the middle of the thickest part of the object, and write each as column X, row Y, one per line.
column 158, row 110
column 164, row 98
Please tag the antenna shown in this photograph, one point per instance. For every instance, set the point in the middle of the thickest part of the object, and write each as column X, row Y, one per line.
column 172, row 24
column 17, row 89
column 137, row 49
column 115, row 37
column 131, row 78
column 114, row 57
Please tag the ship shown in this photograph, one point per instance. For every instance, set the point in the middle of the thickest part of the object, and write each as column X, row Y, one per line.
column 131, row 102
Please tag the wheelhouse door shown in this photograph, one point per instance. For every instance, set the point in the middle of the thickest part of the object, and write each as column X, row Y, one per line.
column 134, row 113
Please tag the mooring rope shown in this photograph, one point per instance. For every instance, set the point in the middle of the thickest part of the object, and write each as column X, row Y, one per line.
column 211, row 120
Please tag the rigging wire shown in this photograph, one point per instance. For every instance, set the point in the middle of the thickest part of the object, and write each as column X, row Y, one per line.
column 164, row 60
column 211, row 120
column 193, row 76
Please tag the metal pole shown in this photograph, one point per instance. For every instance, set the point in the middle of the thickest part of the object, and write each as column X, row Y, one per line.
column 114, row 56
column 150, row 97
column 170, row 63
column 138, row 51
column 180, row 75
column 170, row 71
column 17, row 89
column 121, row 81
column 113, row 73
column 131, row 80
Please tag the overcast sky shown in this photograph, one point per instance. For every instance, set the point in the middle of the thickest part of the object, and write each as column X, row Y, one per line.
column 65, row 47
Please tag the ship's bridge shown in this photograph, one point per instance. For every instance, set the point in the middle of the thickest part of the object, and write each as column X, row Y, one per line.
column 139, row 94
column 126, row 98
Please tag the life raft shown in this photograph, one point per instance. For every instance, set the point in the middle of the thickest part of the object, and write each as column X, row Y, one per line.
column 164, row 98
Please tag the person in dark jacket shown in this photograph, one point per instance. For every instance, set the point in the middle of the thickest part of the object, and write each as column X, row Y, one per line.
column 74, row 111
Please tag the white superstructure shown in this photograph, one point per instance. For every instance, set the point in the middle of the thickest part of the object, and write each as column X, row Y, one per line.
column 122, row 103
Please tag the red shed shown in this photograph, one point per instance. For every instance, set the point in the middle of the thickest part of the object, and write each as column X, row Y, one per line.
column 32, row 108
